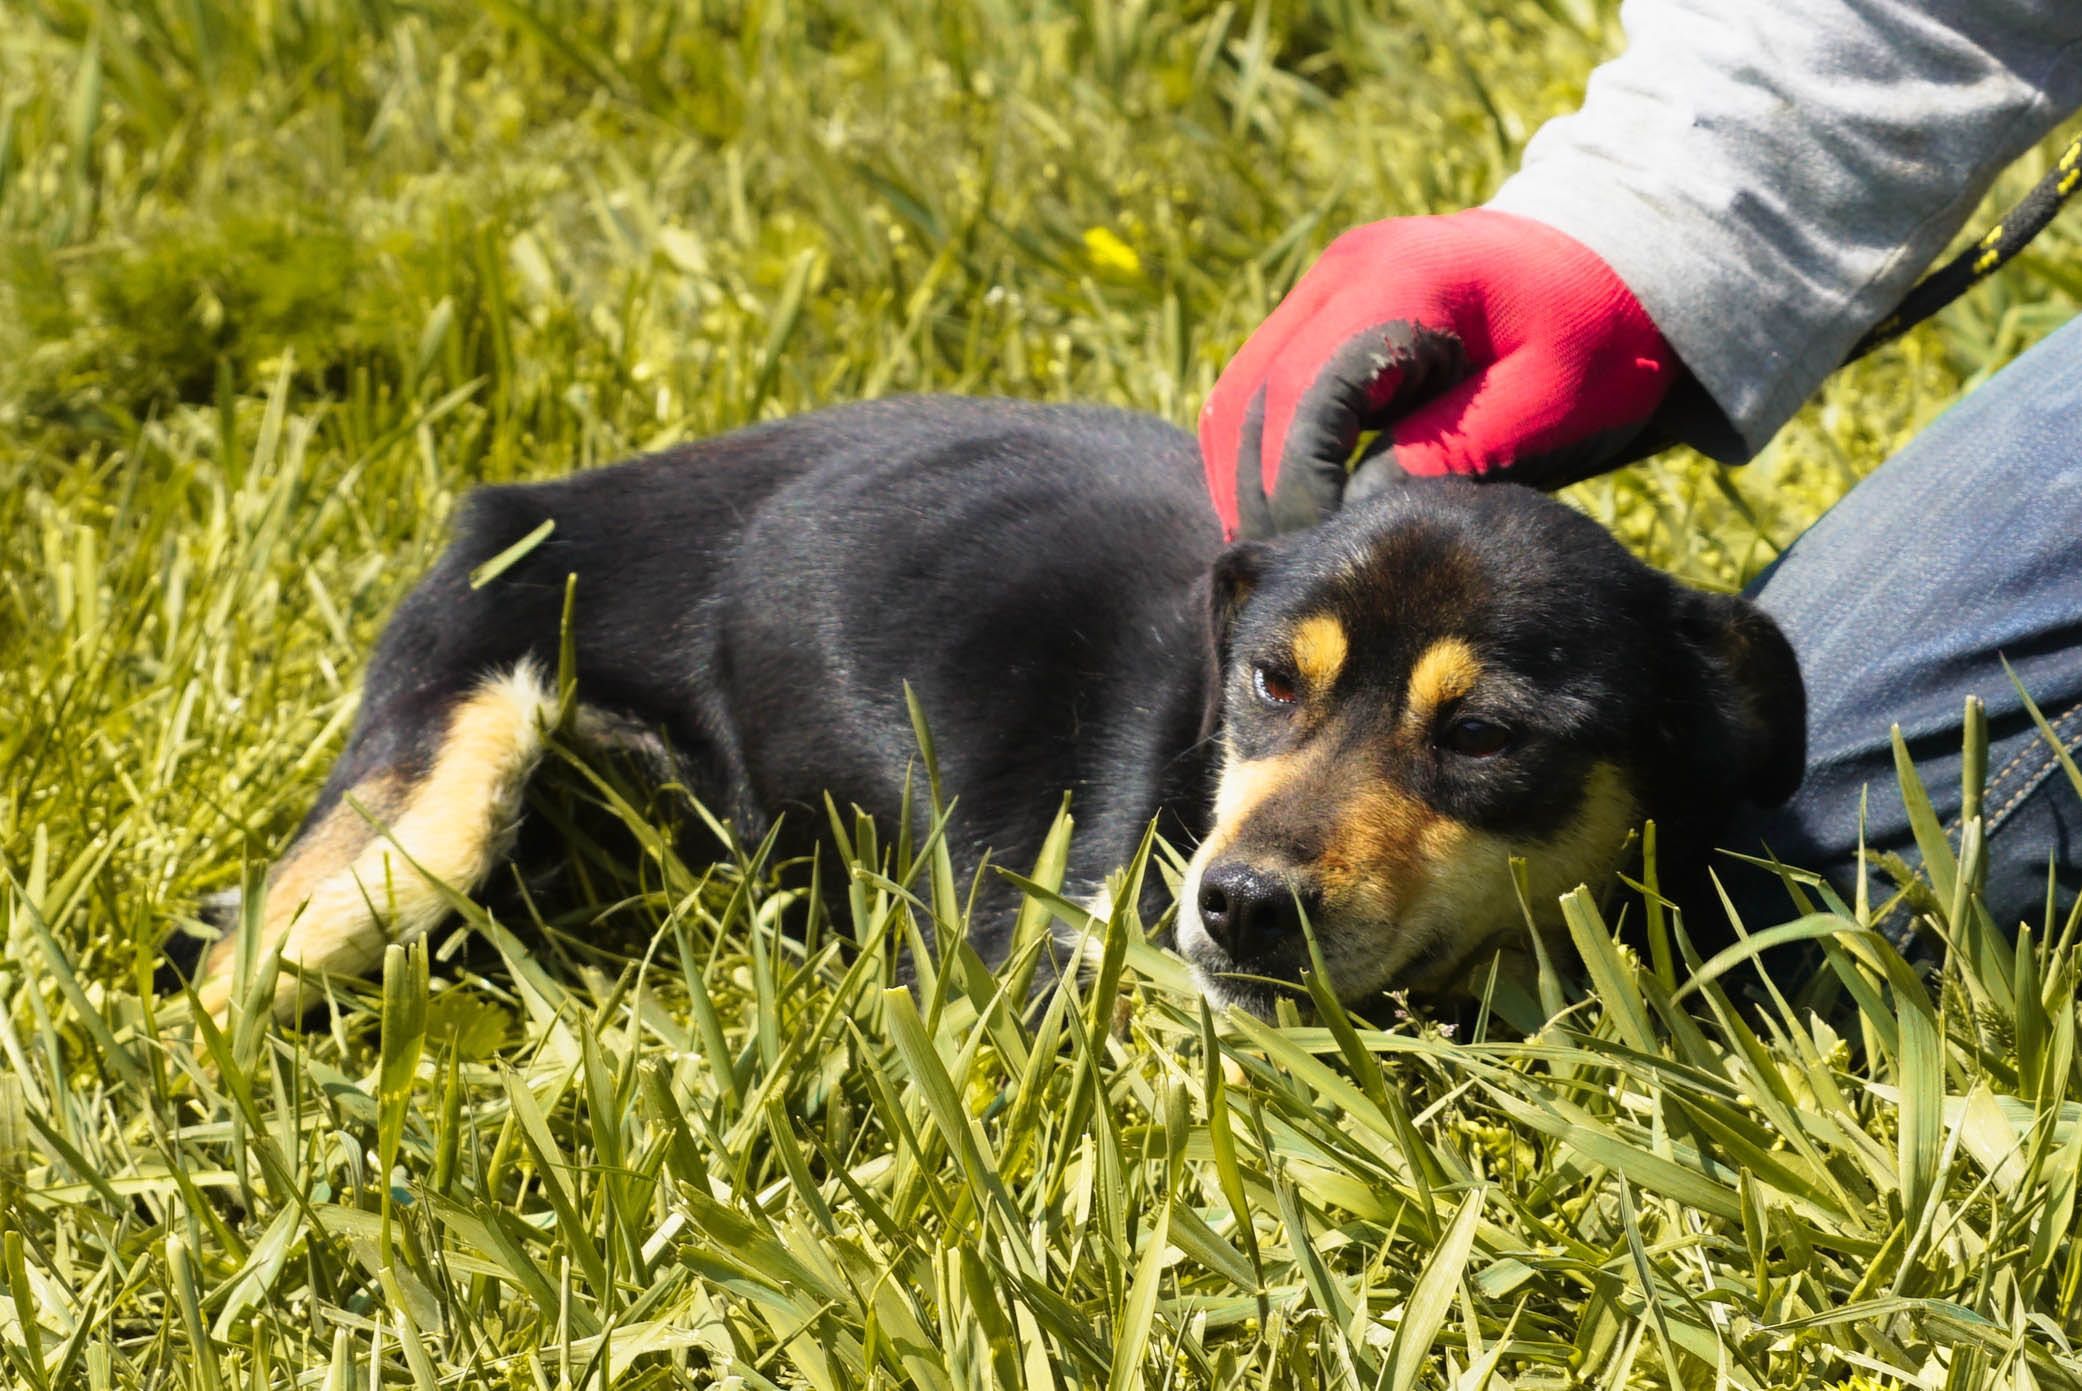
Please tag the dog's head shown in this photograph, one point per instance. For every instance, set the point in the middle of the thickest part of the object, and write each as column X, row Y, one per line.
column 1437, row 681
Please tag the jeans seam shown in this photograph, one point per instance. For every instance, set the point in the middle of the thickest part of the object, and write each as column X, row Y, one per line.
column 1993, row 820
column 2030, row 746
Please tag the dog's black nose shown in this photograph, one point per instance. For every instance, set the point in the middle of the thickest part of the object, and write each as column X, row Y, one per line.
column 1251, row 912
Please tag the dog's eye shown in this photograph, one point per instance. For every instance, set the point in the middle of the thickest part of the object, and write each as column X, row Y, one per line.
column 1475, row 737
column 1273, row 686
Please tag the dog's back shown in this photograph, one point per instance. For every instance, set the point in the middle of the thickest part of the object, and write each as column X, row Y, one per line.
column 755, row 604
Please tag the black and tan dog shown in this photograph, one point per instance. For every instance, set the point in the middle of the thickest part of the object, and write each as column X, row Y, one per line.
column 1362, row 723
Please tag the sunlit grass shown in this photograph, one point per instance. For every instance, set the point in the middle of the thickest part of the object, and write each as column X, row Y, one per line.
column 279, row 282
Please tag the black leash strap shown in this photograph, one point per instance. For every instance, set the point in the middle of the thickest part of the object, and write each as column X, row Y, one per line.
column 1986, row 256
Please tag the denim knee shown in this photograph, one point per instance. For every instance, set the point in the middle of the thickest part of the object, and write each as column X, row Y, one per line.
column 1961, row 552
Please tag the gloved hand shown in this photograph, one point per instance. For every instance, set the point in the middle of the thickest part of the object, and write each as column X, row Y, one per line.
column 1478, row 343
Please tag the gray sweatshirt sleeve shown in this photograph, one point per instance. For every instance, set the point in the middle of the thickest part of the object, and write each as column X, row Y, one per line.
column 1770, row 178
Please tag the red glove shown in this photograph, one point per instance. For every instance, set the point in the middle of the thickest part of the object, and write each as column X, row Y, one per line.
column 1477, row 343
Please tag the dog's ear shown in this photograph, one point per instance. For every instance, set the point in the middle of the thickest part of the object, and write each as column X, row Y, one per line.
column 1237, row 572
column 1235, row 575
column 1746, row 716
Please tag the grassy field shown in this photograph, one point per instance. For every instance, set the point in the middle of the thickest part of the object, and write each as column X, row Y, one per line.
column 279, row 281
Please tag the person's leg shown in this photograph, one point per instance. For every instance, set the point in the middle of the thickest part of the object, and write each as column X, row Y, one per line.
column 1962, row 550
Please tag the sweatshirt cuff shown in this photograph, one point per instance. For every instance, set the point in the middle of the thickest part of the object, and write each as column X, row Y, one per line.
column 1752, row 358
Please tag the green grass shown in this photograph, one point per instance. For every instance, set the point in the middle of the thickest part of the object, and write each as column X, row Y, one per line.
column 278, row 283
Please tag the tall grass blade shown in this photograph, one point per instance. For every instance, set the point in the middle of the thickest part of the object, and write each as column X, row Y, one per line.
column 1432, row 1296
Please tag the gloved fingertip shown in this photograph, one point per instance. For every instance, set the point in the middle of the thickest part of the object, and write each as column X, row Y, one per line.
column 1253, row 519
column 1249, row 466
column 1309, row 491
column 1380, row 472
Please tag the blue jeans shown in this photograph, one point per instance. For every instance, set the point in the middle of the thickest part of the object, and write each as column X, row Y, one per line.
column 1963, row 549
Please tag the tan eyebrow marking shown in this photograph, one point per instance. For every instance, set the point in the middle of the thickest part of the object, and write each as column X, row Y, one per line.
column 1320, row 648
column 1448, row 670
